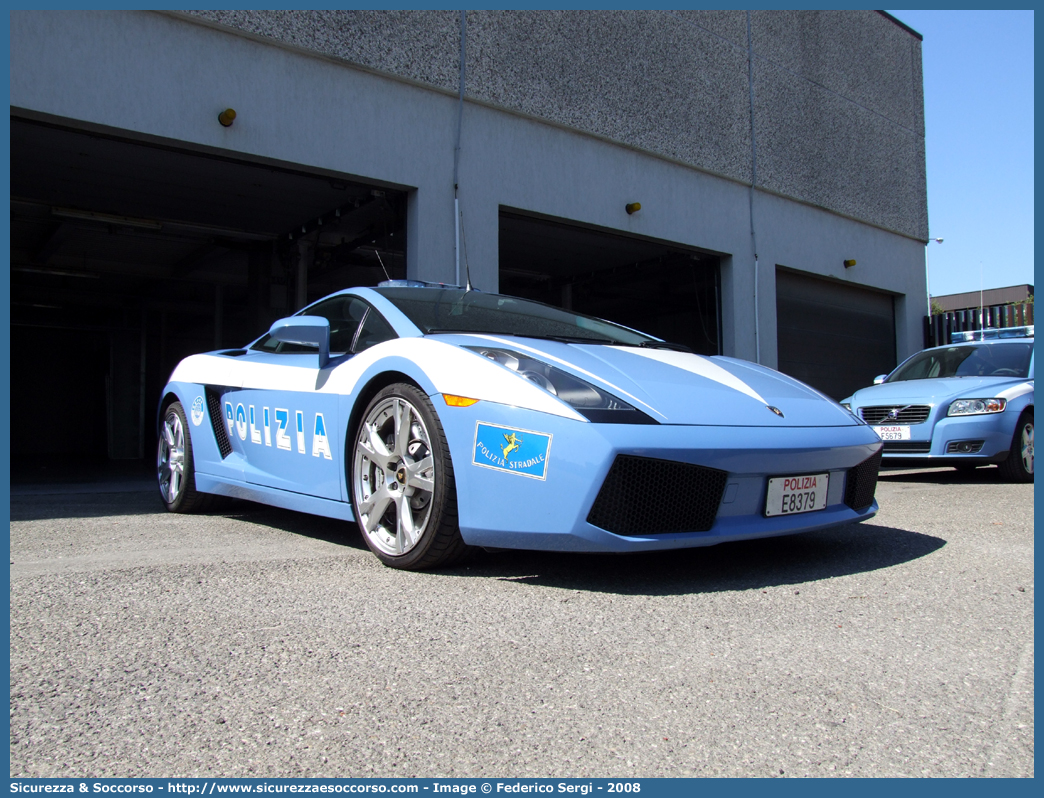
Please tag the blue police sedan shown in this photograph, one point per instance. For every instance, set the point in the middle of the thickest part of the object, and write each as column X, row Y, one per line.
column 963, row 405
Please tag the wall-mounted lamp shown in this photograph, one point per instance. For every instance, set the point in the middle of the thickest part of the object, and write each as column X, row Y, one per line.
column 632, row 207
column 849, row 264
column 227, row 117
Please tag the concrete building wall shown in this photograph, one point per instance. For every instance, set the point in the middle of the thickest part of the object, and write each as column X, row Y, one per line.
column 838, row 100
column 600, row 109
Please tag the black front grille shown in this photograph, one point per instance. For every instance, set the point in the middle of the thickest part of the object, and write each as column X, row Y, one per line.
column 862, row 483
column 964, row 447
column 642, row 496
column 217, row 421
column 907, row 447
column 914, row 414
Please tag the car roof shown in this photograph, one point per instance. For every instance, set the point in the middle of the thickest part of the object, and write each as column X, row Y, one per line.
column 988, row 341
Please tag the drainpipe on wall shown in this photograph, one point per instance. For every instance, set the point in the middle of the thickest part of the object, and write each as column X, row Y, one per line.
column 456, row 150
column 753, row 182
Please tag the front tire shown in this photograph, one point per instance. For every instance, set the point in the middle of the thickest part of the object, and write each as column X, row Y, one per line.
column 403, row 492
column 1019, row 465
column 174, row 467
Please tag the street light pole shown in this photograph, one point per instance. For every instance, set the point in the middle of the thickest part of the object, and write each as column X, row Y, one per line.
column 927, row 284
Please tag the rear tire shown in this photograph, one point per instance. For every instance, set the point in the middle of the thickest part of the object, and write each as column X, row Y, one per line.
column 1018, row 467
column 403, row 493
column 174, row 468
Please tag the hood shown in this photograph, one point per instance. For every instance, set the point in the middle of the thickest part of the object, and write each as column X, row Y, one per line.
column 933, row 392
column 683, row 388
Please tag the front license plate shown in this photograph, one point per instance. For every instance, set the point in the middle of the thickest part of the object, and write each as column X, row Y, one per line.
column 893, row 433
column 790, row 495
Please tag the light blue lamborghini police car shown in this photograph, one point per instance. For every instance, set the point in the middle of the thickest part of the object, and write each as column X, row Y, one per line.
column 440, row 418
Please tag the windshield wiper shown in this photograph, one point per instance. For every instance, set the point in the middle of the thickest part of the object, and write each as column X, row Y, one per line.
column 565, row 339
column 666, row 345
column 575, row 339
column 439, row 330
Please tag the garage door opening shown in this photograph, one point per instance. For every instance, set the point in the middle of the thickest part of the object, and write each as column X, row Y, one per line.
column 127, row 256
column 662, row 289
column 835, row 337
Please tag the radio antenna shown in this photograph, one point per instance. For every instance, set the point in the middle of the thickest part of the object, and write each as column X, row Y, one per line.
column 378, row 254
column 464, row 241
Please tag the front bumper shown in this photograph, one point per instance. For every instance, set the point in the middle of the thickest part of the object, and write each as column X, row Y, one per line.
column 503, row 509
column 937, row 444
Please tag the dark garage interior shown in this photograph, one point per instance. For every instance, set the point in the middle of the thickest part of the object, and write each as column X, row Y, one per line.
column 659, row 288
column 127, row 255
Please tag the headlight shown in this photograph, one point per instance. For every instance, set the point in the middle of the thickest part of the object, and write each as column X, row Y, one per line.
column 588, row 400
column 848, row 406
column 976, row 407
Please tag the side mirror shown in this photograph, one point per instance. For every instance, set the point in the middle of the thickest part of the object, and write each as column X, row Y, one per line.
column 880, row 378
column 305, row 330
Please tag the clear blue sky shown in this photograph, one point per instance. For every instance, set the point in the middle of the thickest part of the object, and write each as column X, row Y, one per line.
column 978, row 105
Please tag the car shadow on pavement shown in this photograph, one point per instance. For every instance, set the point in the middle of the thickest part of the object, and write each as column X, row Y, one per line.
column 43, row 504
column 316, row 527
column 743, row 565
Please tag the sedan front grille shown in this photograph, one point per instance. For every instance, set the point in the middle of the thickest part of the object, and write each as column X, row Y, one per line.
column 642, row 495
column 912, row 414
column 907, row 447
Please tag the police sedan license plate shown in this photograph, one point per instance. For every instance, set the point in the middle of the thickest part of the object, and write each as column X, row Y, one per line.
column 893, row 433
column 789, row 495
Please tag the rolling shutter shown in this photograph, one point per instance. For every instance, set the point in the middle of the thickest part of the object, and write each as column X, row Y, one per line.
column 834, row 336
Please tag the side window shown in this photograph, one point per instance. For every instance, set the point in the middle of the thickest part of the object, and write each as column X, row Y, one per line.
column 344, row 314
column 375, row 330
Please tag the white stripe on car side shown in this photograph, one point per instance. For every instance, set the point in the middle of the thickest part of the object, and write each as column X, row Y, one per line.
column 208, row 370
column 698, row 365
column 451, row 369
column 458, row 371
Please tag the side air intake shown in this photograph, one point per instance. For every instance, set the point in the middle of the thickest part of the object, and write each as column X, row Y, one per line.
column 217, row 421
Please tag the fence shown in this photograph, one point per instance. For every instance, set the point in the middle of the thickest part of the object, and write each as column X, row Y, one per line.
column 938, row 327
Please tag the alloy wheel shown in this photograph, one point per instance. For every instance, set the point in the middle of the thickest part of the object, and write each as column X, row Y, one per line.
column 1027, row 447
column 394, row 476
column 170, row 458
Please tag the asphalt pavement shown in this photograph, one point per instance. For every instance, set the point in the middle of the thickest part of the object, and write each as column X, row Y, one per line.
column 261, row 642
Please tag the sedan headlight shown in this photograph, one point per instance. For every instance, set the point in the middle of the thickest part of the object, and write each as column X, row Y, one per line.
column 976, row 407
column 848, row 406
column 588, row 400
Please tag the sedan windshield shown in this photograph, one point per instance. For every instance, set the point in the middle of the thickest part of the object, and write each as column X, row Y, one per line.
column 438, row 310
column 985, row 360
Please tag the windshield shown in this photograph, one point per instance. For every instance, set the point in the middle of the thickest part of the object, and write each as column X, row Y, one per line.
column 436, row 310
column 986, row 360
